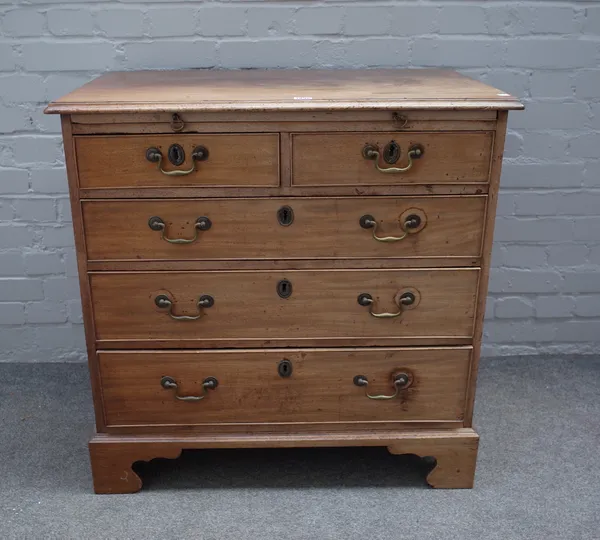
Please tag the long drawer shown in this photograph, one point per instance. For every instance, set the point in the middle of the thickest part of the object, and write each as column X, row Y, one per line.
column 206, row 159
column 361, row 227
column 275, row 306
column 337, row 159
column 325, row 385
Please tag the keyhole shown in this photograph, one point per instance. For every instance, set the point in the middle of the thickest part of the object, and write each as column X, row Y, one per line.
column 285, row 216
column 284, row 288
column 391, row 152
column 176, row 154
column 284, row 368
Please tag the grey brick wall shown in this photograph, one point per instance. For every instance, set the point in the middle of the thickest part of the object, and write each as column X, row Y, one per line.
column 545, row 283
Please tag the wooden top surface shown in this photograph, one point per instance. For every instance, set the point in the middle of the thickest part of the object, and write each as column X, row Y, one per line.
column 281, row 90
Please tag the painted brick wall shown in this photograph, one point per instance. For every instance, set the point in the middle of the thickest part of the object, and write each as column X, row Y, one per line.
column 545, row 286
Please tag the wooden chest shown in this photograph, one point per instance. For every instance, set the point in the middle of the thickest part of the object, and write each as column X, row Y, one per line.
column 283, row 258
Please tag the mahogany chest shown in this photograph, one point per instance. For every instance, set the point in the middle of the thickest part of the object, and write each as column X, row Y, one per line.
column 282, row 259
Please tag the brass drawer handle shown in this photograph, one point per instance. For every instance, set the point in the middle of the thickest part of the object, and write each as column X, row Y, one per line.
column 401, row 381
column 154, row 155
column 411, row 222
column 210, row 383
column 157, row 224
column 406, row 299
column 204, row 302
column 372, row 152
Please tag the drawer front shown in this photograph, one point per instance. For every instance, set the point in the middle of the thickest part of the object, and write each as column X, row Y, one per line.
column 316, row 386
column 201, row 160
column 334, row 159
column 276, row 306
column 284, row 228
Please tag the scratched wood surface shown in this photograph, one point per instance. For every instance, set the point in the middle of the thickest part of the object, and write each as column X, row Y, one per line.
column 323, row 304
column 232, row 160
column 319, row 388
column 336, row 159
column 278, row 138
column 249, row 229
column 282, row 90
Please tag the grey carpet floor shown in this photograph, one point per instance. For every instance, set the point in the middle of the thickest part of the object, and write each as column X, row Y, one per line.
column 537, row 474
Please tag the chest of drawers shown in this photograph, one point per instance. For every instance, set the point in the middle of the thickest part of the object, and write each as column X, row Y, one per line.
column 283, row 259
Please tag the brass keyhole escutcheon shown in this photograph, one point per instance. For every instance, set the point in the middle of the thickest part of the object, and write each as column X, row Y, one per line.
column 285, row 216
column 284, row 288
column 285, row 368
column 176, row 154
column 391, row 152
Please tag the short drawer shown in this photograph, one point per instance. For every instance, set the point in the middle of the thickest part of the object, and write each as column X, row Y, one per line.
column 271, row 307
column 147, row 161
column 325, row 385
column 362, row 227
column 335, row 159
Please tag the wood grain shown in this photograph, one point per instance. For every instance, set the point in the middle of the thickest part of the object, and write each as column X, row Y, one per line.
column 283, row 191
column 454, row 449
column 323, row 304
column 456, row 458
column 342, row 118
column 84, row 285
column 112, row 462
column 487, row 256
column 198, row 342
column 250, row 389
column 283, row 138
column 281, row 90
column 282, row 427
column 249, row 228
column 122, row 128
column 337, row 159
column 281, row 264
column 233, row 160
